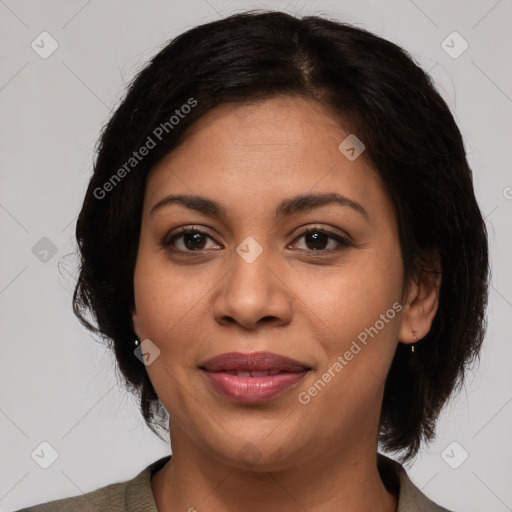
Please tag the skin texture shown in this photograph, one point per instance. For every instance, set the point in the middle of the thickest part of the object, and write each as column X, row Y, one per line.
column 292, row 300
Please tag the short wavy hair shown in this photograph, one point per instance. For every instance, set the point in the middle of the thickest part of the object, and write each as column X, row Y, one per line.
column 412, row 142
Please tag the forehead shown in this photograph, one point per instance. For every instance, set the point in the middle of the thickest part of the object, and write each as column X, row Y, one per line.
column 284, row 123
column 271, row 148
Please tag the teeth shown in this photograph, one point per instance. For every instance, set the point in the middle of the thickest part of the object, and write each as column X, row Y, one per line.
column 261, row 373
column 264, row 373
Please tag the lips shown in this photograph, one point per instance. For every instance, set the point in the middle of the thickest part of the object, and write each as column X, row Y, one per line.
column 256, row 361
column 254, row 377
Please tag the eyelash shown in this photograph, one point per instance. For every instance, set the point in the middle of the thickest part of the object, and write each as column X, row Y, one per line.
column 343, row 241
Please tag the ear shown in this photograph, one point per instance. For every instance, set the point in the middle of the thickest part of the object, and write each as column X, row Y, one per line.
column 422, row 302
column 135, row 322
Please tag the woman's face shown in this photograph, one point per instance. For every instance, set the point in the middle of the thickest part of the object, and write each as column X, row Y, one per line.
column 246, row 279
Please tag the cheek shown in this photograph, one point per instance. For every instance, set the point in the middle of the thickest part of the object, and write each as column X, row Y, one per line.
column 358, row 308
column 165, row 298
column 352, row 296
column 167, row 307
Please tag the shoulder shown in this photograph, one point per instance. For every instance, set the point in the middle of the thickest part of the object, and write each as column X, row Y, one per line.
column 133, row 495
column 410, row 498
column 110, row 497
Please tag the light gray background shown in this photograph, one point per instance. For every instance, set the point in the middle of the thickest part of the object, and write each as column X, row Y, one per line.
column 59, row 386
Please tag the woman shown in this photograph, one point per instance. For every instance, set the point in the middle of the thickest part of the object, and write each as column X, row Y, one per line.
column 282, row 242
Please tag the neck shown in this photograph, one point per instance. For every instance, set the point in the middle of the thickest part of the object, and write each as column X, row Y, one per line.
column 338, row 480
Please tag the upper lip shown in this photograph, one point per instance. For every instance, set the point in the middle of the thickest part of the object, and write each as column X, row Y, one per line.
column 255, row 361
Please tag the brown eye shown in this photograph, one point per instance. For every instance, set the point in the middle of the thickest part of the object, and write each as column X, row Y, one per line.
column 194, row 240
column 187, row 240
column 316, row 239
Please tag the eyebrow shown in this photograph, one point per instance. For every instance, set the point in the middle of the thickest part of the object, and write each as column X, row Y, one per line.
column 288, row 207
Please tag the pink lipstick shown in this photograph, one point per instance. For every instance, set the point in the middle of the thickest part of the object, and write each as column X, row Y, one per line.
column 253, row 377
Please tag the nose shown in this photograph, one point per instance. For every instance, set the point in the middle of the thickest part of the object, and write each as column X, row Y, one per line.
column 253, row 294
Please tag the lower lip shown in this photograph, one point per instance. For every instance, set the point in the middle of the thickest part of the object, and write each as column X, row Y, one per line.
column 253, row 389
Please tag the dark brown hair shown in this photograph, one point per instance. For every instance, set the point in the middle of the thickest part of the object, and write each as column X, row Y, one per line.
column 411, row 140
